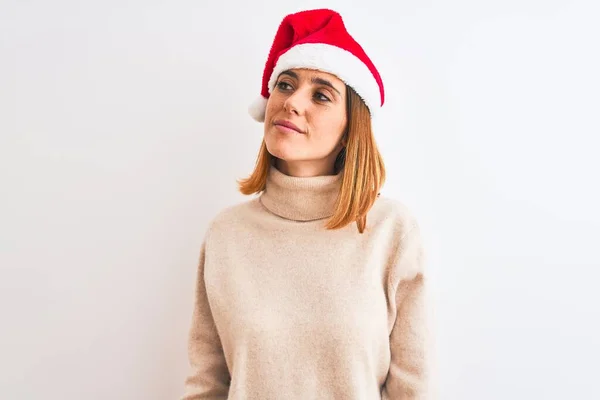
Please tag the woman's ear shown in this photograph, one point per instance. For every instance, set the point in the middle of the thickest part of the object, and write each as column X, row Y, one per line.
column 344, row 141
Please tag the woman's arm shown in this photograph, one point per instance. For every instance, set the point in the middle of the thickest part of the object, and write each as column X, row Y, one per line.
column 408, row 376
column 209, row 377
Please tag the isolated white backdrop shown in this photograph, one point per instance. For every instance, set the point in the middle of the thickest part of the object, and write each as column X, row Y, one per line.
column 123, row 128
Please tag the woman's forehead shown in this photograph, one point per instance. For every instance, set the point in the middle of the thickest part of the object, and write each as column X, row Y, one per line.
column 307, row 73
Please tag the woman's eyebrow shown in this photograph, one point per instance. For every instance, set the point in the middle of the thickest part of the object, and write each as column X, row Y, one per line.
column 321, row 81
column 290, row 73
column 314, row 80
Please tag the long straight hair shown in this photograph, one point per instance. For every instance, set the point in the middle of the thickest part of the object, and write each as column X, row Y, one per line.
column 362, row 164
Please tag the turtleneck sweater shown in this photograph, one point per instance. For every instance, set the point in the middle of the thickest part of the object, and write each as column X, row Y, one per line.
column 287, row 309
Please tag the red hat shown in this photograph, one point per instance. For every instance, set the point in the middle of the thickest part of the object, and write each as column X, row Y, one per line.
column 318, row 39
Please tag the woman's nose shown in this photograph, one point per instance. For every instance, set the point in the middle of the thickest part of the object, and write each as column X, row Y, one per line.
column 296, row 102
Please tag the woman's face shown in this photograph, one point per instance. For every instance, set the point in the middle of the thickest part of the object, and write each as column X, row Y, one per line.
column 315, row 103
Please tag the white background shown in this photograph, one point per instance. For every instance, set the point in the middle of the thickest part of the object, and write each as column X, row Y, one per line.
column 123, row 129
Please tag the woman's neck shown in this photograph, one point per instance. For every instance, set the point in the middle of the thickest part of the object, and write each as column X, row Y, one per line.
column 301, row 198
column 305, row 169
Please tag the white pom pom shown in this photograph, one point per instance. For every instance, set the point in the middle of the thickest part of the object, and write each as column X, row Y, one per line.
column 257, row 109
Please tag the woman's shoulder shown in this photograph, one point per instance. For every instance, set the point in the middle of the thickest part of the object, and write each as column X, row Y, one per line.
column 229, row 216
column 392, row 210
column 400, row 223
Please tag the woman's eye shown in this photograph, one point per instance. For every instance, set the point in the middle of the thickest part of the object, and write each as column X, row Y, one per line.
column 286, row 86
column 322, row 97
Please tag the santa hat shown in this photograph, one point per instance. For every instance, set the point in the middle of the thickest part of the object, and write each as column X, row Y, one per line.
column 318, row 39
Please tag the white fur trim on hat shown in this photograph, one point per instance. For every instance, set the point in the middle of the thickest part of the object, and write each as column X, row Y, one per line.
column 257, row 108
column 334, row 60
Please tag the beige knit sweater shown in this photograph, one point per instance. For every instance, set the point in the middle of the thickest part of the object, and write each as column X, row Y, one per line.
column 285, row 309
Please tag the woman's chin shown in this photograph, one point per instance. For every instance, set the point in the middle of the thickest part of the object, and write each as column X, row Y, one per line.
column 282, row 154
column 282, row 149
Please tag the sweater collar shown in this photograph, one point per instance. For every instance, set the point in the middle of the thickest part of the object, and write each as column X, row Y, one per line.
column 301, row 198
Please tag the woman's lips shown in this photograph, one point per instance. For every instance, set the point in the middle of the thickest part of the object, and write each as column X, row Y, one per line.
column 285, row 129
column 287, row 126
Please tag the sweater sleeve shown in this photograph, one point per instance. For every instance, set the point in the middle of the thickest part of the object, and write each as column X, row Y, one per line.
column 208, row 377
column 408, row 375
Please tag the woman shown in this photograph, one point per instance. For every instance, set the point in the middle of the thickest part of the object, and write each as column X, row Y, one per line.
column 315, row 288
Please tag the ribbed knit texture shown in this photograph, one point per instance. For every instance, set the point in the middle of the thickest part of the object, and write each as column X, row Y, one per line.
column 285, row 309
